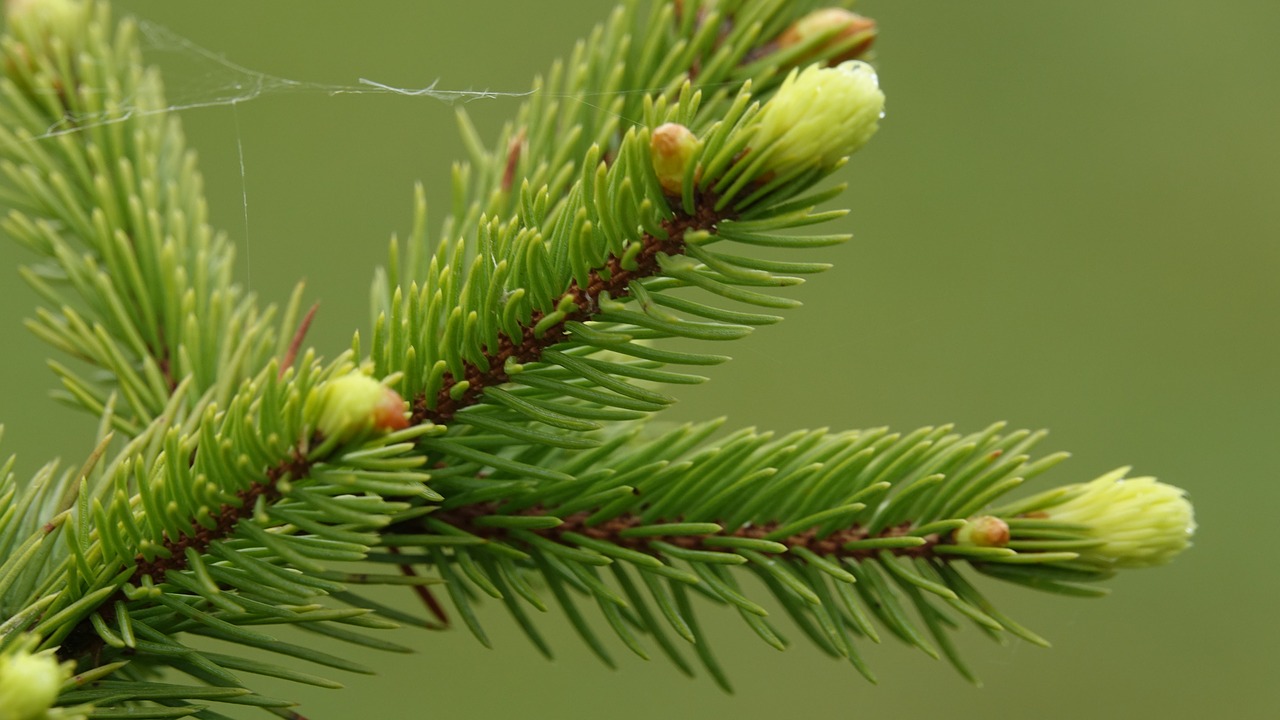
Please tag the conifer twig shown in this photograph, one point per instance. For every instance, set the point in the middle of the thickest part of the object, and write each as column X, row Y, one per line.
column 611, row 279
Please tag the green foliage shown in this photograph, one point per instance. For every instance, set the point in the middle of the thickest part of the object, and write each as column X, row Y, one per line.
column 810, row 514
column 504, row 450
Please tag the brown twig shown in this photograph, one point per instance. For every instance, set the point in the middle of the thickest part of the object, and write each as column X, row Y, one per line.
column 296, row 343
column 83, row 639
column 424, row 593
column 611, row 278
column 225, row 519
column 611, row 531
column 514, row 150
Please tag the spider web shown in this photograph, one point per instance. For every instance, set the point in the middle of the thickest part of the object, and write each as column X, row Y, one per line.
column 198, row 78
column 211, row 80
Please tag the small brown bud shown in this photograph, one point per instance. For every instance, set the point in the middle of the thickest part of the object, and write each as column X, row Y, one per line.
column 672, row 147
column 847, row 27
column 983, row 531
column 355, row 404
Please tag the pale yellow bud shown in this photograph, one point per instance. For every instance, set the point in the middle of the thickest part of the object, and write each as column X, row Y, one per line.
column 672, row 147
column 356, row 403
column 56, row 16
column 820, row 115
column 29, row 684
column 1142, row 521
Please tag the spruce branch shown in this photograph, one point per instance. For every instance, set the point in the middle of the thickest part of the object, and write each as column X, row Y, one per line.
column 547, row 300
column 622, row 76
column 705, row 49
column 103, row 191
column 203, row 485
column 233, row 484
column 577, row 304
column 873, row 519
column 629, row 531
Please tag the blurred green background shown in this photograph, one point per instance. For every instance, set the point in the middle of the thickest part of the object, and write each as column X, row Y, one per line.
column 1069, row 220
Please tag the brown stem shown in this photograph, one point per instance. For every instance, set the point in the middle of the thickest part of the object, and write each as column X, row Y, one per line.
column 611, row 278
column 83, row 639
column 610, row 531
column 225, row 519
column 424, row 593
column 514, row 150
column 296, row 343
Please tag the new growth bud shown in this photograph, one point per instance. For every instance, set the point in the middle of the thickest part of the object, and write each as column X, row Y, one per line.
column 1142, row 521
column 56, row 16
column 984, row 531
column 672, row 147
column 29, row 684
column 31, row 24
column 842, row 29
column 820, row 115
column 356, row 403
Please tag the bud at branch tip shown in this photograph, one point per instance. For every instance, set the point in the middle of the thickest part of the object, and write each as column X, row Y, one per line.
column 1142, row 521
column 355, row 404
column 29, row 682
column 819, row 116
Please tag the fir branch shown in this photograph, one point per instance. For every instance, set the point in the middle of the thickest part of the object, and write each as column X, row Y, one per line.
column 844, row 543
column 841, row 528
column 172, row 553
column 210, row 498
column 612, row 279
column 632, row 64
column 110, row 201
column 198, row 537
column 244, row 488
column 641, row 200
